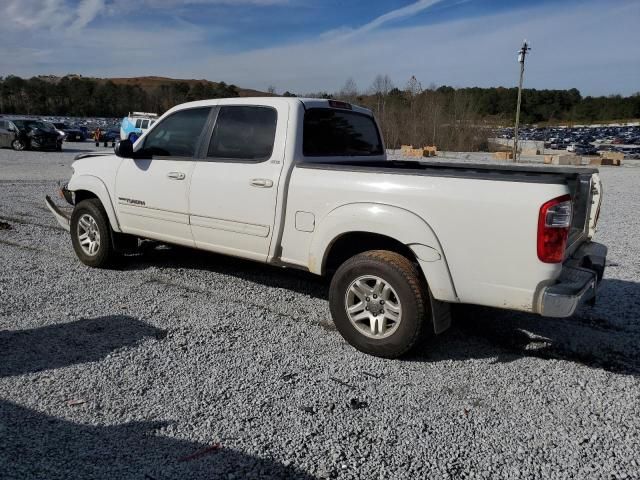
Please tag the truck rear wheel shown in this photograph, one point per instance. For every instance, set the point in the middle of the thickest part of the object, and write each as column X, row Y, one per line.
column 91, row 234
column 379, row 303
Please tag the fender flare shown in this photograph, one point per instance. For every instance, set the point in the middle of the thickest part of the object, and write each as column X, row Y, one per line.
column 99, row 189
column 391, row 221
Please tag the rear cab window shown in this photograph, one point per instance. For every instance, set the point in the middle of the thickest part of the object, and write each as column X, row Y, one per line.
column 329, row 132
column 243, row 133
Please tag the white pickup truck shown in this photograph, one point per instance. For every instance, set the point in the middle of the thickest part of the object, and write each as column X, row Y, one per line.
column 305, row 183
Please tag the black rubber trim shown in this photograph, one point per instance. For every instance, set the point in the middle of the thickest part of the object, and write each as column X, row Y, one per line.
column 506, row 173
column 92, row 154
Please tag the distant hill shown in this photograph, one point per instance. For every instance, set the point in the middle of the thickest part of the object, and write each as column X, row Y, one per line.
column 149, row 83
column 75, row 95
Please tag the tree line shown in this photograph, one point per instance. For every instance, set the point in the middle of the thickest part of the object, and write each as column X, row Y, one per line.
column 450, row 118
column 88, row 97
column 461, row 119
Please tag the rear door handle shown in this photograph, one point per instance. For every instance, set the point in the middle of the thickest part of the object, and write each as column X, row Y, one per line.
column 261, row 182
column 176, row 175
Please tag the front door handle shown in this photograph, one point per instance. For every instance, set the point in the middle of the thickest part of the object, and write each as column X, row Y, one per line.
column 261, row 182
column 176, row 175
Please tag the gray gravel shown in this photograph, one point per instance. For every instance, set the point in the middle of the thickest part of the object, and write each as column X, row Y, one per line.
column 179, row 364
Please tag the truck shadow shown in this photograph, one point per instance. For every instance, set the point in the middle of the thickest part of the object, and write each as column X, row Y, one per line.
column 603, row 337
column 64, row 344
column 181, row 257
column 35, row 445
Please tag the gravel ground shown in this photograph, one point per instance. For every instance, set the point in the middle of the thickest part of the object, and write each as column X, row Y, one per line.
column 179, row 364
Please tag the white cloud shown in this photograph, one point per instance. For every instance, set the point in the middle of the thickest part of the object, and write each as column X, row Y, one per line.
column 87, row 11
column 400, row 13
column 35, row 14
column 53, row 14
column 592, row 48
column 171, row 3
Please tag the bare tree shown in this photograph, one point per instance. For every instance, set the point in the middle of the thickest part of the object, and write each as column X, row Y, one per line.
column 414, row 87
column 443, row 117
column 271, row 90
column 381, row 87
column 349, row 91
column 413, row 90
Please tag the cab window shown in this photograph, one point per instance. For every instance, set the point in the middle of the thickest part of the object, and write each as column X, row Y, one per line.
column 178, row 134
column 336, row 133
column 243, row 133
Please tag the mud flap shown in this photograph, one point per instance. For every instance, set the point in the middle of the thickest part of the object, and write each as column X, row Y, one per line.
column 440, row 315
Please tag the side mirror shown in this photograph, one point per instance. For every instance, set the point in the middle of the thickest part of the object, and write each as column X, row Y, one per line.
column 124, row 149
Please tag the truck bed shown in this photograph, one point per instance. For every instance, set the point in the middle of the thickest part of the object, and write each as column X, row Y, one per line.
column 579, row 180
column 480, row 171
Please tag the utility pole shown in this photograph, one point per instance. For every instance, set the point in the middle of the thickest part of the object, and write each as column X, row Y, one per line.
column 522, row 53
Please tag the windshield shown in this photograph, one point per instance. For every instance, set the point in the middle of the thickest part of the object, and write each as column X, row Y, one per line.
column 337, row 133
column 29, row 124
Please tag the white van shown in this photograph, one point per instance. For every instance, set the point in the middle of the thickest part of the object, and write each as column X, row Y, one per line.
column 135, row 124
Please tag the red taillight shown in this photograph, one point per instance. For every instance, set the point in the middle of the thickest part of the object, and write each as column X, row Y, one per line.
column 554, row 222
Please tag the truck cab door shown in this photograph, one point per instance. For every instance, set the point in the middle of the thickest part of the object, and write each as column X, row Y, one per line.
column 152, row 193
column 234, row 190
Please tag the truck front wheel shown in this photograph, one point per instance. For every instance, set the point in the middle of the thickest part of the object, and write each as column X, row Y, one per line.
column 91, row 234
column 379, row 303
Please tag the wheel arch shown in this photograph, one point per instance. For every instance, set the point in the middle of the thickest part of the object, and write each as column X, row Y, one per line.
column 88, row 186
column 358, row 227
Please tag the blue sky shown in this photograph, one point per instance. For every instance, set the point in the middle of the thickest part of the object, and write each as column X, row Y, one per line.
column 315, row 45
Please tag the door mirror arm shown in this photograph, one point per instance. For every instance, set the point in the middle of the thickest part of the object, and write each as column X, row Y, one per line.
column 124, row 149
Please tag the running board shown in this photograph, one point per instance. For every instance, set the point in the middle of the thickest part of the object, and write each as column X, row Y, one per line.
column 61, row 217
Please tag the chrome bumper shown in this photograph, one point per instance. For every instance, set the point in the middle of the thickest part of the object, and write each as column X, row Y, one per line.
column 578, row 282
column 63, row 219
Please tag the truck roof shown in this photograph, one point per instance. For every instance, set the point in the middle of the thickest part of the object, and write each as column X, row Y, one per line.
column 307, row 102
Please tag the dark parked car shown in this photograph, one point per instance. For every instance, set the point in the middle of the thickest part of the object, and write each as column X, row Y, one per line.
column 36, row 134
column 8, row 134
column 585, row 150
column 110, row 136
column 73, row 134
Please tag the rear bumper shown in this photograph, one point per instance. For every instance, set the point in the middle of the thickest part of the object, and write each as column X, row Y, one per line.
column 578, row 282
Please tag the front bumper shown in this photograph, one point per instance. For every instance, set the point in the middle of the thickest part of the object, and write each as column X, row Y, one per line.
column 45, row 143
column 578, row 282
column 62, row 218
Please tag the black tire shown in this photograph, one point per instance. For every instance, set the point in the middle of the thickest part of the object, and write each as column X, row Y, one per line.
column 18, row 145
column 411, row 291
column 105, row 254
